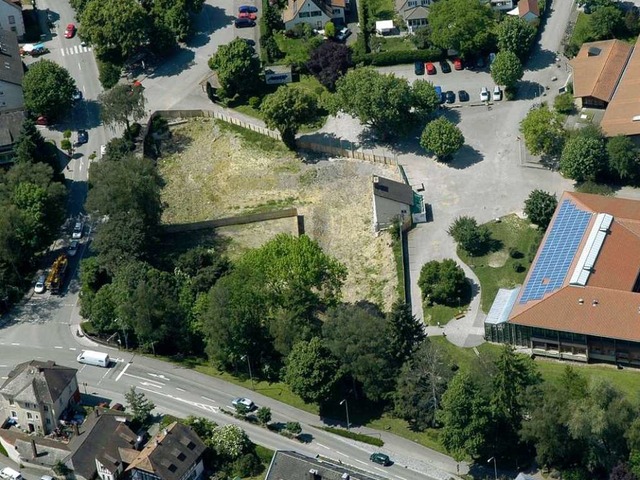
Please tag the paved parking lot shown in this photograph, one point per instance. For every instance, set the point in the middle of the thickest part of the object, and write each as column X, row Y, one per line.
column 469, row 80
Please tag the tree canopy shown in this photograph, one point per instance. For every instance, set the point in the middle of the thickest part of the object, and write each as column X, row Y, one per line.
column 471, row 237
column 463, row 25
column 311, row 371
column 442, row 282
column 425, row 98
column 287, row 110
column 584, row 156
column 506, row 69
column 121, row 104
column 329, row 62
column 48, row 89
column 377, row 100
column 237, row 68
column 624, row 158
column 539, row 207
column 543, row 131
column 516, row 35
column 442, row 137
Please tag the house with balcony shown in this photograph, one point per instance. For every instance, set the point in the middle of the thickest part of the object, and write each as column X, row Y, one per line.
column 315, row 13
column 36, row 393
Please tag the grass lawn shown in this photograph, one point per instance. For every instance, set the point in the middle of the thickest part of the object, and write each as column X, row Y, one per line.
column 382, row 9
column 391, row 44
column 497, row 270
column 296, row 50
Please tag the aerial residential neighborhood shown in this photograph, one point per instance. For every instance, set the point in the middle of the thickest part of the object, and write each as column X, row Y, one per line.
column 319, row 239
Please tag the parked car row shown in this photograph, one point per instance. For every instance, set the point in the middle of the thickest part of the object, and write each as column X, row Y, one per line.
column 246, row 16
column 420, row 67
column 485, row 96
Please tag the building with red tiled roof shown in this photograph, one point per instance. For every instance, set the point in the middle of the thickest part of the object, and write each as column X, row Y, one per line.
column 581, row 297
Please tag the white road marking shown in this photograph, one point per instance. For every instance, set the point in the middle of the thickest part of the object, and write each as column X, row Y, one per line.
column 3, row 366
column 207, row 398
column 398, row 476
column 158, row 376
column 180, row 389
column 209, row 408
column 15, row 344
column 122, row 372
column 60, row 348
column 344, row 454
column 76, row 49
column 73, row 348
column 143, row 378
column 147, row 384
column 360, row 461
column 79, row 66
column 381, row 470
column 323, row 446
column 62, row 52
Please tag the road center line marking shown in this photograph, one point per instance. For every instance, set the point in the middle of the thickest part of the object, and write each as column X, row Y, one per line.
column 57, row 347
column 207, row 398
column 381, row 470
column 73, row 348
column 147, row 384
column 360, row 461
column 122, row 372
column 180, row 389
column 401, row 478
column 144, row 379
column 323, row 446
column 15, row 344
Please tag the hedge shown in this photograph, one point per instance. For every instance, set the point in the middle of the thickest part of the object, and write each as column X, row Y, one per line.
column 397, row 57
column 378, row 442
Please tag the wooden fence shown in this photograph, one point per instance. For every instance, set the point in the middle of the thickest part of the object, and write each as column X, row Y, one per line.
column 225, row 222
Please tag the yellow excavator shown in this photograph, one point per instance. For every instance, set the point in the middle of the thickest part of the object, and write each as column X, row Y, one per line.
column 55, row 278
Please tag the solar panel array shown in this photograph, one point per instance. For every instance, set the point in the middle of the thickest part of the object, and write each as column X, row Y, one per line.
column 557, row 252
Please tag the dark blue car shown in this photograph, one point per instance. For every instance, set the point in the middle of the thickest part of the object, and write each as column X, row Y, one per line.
column 418, row 67
column 247, row 9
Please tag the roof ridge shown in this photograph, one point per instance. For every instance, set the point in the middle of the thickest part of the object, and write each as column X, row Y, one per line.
column 624, row 68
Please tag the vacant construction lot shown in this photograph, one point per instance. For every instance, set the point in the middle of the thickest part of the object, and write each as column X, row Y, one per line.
column 214, row 170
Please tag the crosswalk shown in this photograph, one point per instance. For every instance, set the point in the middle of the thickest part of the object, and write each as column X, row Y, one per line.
column 75, row 50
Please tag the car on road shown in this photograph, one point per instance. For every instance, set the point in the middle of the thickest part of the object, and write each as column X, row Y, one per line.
column 457, row 64
column 380, row 459
column 418, row 68
column 450, row 96
column 445, row 67
column 83, row 137
column 70, row 31
column 72, row 249
column 431, row 69
column 77, row 96
column 247, row 9
column 484, row 94
column 250, row 16
column 497, row 93
column 244, row 23
column 343, row 34
column 77, row 230
column 244, row 403
column 463, row 96
column 39, row 286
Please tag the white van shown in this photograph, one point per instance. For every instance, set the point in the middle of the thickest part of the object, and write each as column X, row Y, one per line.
column 10, row 474
column 98, row 359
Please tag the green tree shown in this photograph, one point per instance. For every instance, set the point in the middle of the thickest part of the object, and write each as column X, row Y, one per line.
column 378, row 101
column 421, row 385
column 564, row 103
column 353, row 333
column 506, row 69
column 330, row 30
column 470, row 236
column 516, row 35
column 115, row 28
column 65, row 144
column 293, row 427
column 584, row 156
column 406, row 332
column 539, row 207
column 287, row 110
column 425, row 98
column 121, row 104
column 30, row 147
column 464, row 413
column 442, row 282
column 607, row 22
column 139, row 405
column 121, row 239
column 203, row 427
column 421, row 38
column 624, row 161
column 230, row 441
column 263, row 414
column 311, row 371
column 48, row 89
column 443, row 138
column 462, row 25
column 329, row 62
column 543, row 131
column 237, row 68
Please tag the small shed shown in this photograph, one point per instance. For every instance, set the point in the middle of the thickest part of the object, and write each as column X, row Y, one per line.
column 385, row 27
column 392, row 202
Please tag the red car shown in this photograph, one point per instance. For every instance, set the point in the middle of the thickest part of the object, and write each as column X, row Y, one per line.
column 250, row 16
column 457, row 64
column 70, row 31
column 41, row 120
column 431, row 70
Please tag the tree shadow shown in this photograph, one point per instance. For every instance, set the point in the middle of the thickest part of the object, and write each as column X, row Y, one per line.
column 465, row 157
column 528, row 90
column 361, row 412
column 541, row 59
column 181, row 60
column 451, row 114
column 209, row 20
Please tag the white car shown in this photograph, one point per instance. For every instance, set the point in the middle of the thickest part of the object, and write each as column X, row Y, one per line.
column 77, row 230
column 73, row 248
column 103, row 150
column 39, row 287
column 497, row 93
column 245, row 402
column 484, row 94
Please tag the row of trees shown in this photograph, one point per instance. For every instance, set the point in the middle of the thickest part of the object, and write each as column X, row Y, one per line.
column 585, row 154
column 32, row 199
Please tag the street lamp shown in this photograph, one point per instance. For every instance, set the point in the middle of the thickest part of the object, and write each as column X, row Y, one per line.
column 249, row 365
column 346, row 407
column 495, row 467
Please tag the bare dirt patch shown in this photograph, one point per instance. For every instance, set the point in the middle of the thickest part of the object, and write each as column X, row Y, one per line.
column 214, row 170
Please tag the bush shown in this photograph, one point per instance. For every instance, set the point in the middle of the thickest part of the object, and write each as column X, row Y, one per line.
column 293, row 427
column 517, row 267
column 515, row 253
column 595, row 188
column 442, row 282
column 247, row 465
column 378, row 442
column 133, row 132
column 564, row 103
column 109, row 74
column 397, row 57
column 473, row 238
column 254, row 102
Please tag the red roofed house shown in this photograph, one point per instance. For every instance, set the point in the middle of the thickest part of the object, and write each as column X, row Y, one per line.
column 581, row 298
column 528, row 10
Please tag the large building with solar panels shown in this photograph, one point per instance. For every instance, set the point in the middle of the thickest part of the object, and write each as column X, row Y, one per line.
column 581, row 298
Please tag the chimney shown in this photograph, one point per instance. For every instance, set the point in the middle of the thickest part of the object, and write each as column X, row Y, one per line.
column 34, row 450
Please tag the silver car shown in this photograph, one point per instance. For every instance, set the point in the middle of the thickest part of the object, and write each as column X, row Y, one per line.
column 77, row 230
column 39, row 286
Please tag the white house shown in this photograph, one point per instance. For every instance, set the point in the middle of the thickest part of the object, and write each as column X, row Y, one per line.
column 11, row 17
column 313, row 12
